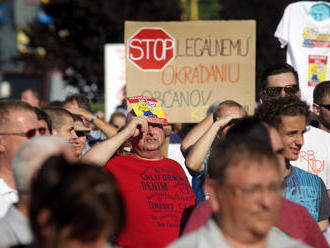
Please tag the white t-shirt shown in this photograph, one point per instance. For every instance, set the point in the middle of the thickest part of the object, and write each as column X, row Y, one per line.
column 314, row 156
column 174, row 152
column 8, row 196
column 308, row 43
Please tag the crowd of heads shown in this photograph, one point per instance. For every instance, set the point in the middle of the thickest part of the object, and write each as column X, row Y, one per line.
column 69, row 203
column 251, row 157
column 73, row 202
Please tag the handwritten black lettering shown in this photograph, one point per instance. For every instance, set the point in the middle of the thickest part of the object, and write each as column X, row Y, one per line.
column 197, row 46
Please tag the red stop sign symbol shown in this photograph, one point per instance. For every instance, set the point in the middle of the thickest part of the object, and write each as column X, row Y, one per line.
column 151, row 49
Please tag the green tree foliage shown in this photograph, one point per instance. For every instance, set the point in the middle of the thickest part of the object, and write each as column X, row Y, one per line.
column 209, row 9
column 75, row 41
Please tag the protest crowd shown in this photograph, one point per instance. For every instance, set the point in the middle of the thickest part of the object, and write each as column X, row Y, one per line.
column 70, row 178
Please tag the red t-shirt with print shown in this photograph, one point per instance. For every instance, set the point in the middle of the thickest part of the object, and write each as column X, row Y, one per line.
column 156, row 194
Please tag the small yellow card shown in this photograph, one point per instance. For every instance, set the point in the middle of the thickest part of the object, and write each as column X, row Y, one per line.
column 149, row 107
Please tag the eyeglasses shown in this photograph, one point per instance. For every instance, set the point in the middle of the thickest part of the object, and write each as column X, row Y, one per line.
column 276, row 91
column 81, row 133
column 326, row 106
column 29, row 134
column 255, row 191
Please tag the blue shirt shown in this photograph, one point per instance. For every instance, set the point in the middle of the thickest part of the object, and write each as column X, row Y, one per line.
column 198, row 180
column 309, row 191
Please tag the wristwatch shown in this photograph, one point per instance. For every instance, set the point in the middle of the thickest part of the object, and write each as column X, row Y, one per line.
column 93, row 118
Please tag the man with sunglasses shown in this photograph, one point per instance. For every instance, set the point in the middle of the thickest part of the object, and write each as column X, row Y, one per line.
column 82, row 132
column 321, row 105
column 18, row 123
column 281, row 80
column 80, row 104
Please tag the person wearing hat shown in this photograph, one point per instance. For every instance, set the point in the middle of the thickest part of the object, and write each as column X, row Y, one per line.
column 79, row 142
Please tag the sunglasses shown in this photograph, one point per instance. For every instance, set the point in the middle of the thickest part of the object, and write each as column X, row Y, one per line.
column 326, row 106
column 81, row 133
column 29, row 134
column 276, row 91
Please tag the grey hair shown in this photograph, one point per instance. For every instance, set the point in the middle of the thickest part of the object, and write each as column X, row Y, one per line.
column 31, row 155
column 213, row 107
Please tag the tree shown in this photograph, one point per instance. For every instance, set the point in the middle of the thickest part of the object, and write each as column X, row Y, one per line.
column 74, row 42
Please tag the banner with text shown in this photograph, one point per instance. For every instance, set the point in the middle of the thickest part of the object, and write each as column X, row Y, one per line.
column 186, row 66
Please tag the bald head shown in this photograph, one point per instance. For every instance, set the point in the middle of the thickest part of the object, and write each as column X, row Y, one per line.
column 33, row 154
column 8, row 106
column 31, row 96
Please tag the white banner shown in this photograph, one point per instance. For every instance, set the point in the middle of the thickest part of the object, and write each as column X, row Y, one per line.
column 115, row 78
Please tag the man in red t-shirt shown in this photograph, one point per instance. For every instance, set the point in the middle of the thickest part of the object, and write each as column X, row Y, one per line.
column 156, row 192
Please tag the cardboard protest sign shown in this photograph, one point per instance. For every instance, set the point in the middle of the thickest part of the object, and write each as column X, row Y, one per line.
column 186, row 66
column 148, row 107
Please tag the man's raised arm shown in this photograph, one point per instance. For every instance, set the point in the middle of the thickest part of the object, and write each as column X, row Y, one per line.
column 195, row 133
column 198, row 152
column 108, row 129
column 100, row 153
